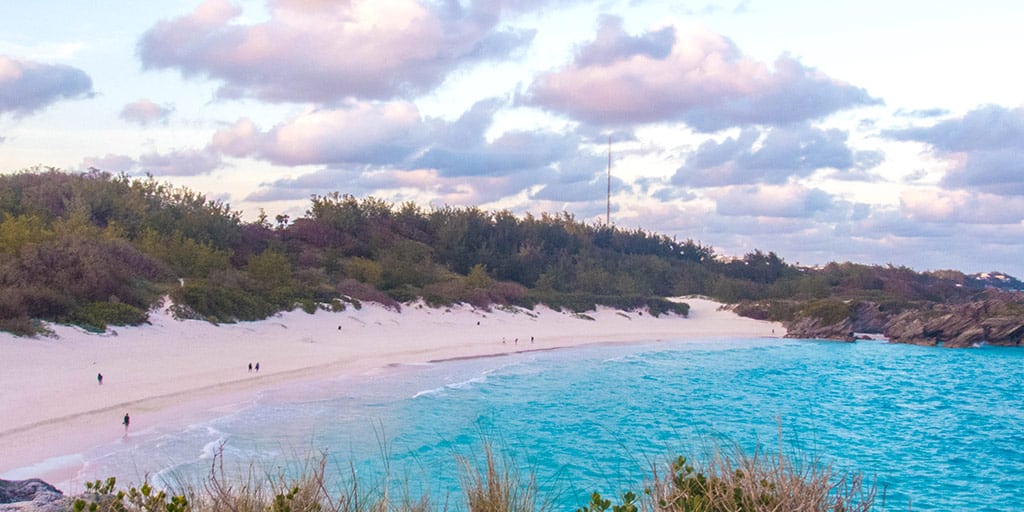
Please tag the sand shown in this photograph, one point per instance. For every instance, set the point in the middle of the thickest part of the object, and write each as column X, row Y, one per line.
column 180, row 371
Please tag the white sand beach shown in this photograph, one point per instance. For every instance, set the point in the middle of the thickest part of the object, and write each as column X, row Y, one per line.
column 184, row 370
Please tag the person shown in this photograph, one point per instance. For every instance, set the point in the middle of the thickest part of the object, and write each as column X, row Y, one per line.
column 250, row 367
column 125, row 422
column 99, row 378
column 257, row 366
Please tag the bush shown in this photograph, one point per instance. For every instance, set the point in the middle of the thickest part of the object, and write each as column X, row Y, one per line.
column 404, row 293
column 726, row 483
column 19, row 326
column 472, row 290
column 359, row 291
column 756, row 483
column 580, row 302
column 658, row 306
column 772, row 310
column 828, row 311
column 96, row 316
column 203, row 299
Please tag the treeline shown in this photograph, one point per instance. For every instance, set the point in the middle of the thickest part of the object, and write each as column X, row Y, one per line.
column 96, row 249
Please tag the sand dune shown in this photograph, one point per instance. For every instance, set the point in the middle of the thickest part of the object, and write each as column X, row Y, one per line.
column 185, row 370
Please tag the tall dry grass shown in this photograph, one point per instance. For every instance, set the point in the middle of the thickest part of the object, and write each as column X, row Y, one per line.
column 735, row 481
column 498, row 486
column 729, row 481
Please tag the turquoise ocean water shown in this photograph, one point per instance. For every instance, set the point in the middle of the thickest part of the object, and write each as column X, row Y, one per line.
column 938, row 429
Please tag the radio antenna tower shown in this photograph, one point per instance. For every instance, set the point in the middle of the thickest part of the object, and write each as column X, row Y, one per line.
column 608, row 212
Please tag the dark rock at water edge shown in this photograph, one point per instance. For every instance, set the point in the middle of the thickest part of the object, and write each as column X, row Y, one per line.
column 32, row 494
column 994, row 321
column 816, row 328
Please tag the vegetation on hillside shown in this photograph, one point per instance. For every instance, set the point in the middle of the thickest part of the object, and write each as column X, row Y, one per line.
column 96, row 249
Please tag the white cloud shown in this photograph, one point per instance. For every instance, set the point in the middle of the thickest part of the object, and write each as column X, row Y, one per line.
column 28, row 86
column 145, row 112
column 328, row 51
column 705, row 80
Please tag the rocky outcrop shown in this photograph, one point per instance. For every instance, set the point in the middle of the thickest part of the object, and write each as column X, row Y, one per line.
column 995, row 321
column 817, row 328
column 33, row 494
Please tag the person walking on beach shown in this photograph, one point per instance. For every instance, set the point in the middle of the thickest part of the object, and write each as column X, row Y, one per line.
column 99, row 378
column 125, row 422
column 250, row 367
column 257, row 366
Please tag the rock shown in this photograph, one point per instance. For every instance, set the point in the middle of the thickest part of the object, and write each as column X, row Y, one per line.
column 993, row 321
column 996, row 319
column 33, row 494
column 816, row 328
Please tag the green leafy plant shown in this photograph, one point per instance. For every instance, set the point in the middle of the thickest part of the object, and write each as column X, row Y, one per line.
column 599, row 504
column 100, row 496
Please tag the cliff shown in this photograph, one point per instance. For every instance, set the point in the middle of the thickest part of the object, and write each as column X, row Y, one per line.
column 993, row 321
column 997, row 319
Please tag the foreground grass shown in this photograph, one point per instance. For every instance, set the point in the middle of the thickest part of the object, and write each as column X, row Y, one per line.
column 728, row 482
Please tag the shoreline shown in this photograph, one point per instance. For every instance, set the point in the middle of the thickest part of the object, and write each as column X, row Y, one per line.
column 179, row 372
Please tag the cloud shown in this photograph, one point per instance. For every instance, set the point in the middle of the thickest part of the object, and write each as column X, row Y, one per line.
column 921, row 114
column 188, row 162
column 360, row 132
column 984, row 149
column 986, row 128
column 423, row 186
column 394, row 135
column 145, row 112
column 704, row 81
column 110, row 163
column 961, row 207
column 793, row 201
column 310, row 51
column 509, row 153
column 578, row 178
column 179, row 162
column 613, row 44
column 401, row 155
column 772, row 156
column 26, row 86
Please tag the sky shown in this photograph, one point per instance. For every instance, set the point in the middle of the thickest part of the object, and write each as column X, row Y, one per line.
column 873, row 131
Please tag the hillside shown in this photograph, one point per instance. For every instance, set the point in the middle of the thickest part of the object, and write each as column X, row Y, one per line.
column 96, row 249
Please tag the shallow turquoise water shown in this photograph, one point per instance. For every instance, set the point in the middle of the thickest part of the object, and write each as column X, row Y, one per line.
column 939, row 429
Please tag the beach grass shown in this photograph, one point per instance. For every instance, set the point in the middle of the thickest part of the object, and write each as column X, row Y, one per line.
column 727, row 481
column 734, row 480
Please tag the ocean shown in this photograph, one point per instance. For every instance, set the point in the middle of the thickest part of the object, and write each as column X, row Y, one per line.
column 935, row 429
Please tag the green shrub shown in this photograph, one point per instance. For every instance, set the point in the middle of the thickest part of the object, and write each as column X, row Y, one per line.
column 658, row 306
column 827, row 310
column 733, row 482
column 308, row 305
column 773, row 310
column 96, row 316
column 204, row 299
column 581, row 302
column 404, row 293
column 100, row 497
column 758, row 483
column 19, row 326
column 355, row 292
